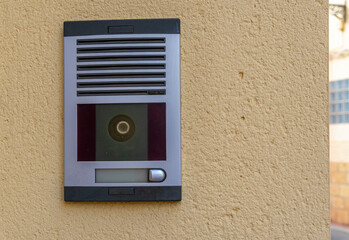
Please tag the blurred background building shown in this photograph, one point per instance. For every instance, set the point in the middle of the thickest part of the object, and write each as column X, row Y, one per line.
column 339, row 111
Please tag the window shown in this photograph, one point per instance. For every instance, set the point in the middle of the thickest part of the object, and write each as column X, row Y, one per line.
column 339, row 101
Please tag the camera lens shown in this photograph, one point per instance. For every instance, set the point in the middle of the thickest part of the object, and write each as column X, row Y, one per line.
column 121, row 128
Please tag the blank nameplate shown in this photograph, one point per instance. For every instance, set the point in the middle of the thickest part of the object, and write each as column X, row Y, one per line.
column 137, row 175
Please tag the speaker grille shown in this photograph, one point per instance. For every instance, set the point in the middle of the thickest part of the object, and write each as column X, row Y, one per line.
column 121, row 66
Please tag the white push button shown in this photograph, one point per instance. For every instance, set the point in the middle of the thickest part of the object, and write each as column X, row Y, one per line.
column 156, row 175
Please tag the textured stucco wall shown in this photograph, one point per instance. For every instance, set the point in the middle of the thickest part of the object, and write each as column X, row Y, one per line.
column 254, row 123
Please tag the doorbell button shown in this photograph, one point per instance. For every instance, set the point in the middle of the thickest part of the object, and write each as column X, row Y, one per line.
column 156, row 175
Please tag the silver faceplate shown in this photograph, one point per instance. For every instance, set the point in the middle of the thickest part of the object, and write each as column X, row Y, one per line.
column 83, row 173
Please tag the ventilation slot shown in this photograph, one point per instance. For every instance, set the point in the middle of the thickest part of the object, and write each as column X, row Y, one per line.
column 120, row 58
column 121, row 92
column 120, row 84
column 120, row 49
column 120, row 67
column 119, row 41
column 120, row 75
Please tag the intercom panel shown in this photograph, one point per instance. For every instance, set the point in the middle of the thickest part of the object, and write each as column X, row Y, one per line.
column 122, row 110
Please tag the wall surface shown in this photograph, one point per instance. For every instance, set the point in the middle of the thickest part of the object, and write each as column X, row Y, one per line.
column 339, row 132
column 339, row 181
column 254, row 123
column 339, row 143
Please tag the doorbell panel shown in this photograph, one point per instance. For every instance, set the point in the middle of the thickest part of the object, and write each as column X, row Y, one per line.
column 122, row 133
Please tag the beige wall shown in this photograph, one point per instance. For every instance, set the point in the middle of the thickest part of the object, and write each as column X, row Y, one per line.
column 254, row 123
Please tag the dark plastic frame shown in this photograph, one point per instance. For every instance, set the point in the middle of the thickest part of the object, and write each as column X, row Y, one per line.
column 124, row 194
column 138, row 26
